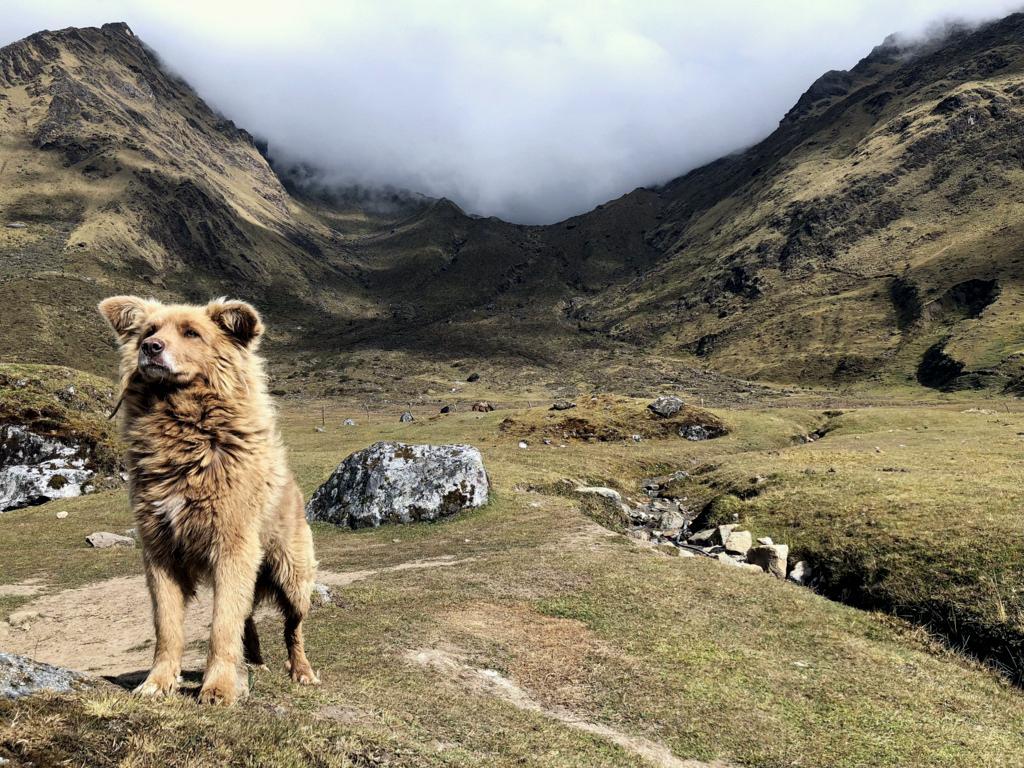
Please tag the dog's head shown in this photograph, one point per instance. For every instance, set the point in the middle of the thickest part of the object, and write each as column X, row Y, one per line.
column 178, row 344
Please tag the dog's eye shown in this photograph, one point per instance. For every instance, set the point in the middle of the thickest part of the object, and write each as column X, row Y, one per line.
column 191, row 333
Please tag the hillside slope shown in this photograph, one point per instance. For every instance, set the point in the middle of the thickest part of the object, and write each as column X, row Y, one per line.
column 873, row 235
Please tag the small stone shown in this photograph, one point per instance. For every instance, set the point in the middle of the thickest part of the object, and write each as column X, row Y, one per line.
column 321, row 429
column 523, row 444
column 105, row 540
column 801, row 573
column 17, row 225
column 321, row 594
column 473, row 377
column 21, row 619
column 738, row 542
column 349, row 423
column 483, row 406
column 546, row 441
column 765, row 540
column 637, row 438
column 685, row 552
column 406, row 417
column 666, row 407
column 771, row 558
column 62, row 514
column 448, row 409
column 562, row 405
column 638, row 534
column 396, row 541
column 727, row 559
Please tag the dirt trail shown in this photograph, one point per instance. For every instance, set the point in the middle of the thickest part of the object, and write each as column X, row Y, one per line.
column 105, row 628
column 493, row 683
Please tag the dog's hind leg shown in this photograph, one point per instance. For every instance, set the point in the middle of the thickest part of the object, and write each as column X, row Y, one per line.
column 251, row 643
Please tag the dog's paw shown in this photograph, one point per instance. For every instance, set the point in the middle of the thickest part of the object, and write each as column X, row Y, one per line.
column 157, row 684
column 304, row 675
column 224, row 689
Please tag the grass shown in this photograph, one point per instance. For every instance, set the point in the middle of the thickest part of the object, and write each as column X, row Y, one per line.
column 712, row 662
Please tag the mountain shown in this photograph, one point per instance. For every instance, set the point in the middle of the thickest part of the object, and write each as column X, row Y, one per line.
column 873, row 236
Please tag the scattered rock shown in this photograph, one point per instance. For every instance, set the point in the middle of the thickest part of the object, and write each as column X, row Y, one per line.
column 448, row 409
column 17, row 225
column 695, row 432
column 801, row 573
column 321, row 594
column 321, row 429
column 393, row 482
column 666, row 407
column 672, row 522
column 738, row 542
column 722, row 534
column 608, row 493
column 348, row 423
column 105, row 540
column 473, row 377
column 62, row 514
column 562, row 405
column 703, row 538
column 22, row 619
column 523, row 444
column 771, row 558
column 21, row 676
column 765, row 540
column 406, row 417
column 483, row 407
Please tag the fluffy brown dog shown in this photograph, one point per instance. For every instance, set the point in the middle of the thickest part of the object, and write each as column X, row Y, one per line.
column 213, row 498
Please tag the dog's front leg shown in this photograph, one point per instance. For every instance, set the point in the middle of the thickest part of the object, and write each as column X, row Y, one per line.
column 168, row 597
column 234, row 581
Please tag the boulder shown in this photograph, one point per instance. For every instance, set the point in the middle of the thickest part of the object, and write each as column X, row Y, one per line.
column 21, row 676
column 771, row 558
column 448, row 409
column 703, row 538
column 801, row 573
column 666, row 407
column 722, row 534
column 393, row 482
column 695, row 432
column 671, row 521
column 473, row 377
column 406, row 417
column 106, row 540
column 596, row 490
column 562, row 405
column 37, row 468
column 483, row 407
column 738, row 542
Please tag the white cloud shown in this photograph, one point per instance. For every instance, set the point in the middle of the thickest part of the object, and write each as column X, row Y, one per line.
column 528, row 110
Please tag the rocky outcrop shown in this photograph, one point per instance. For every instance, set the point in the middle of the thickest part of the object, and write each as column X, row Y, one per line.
column 392, row 482
column 35, row 468
column 666, row 407
column 21, row 676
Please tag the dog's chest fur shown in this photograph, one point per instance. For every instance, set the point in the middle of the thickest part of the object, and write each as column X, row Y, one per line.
column 186, row 460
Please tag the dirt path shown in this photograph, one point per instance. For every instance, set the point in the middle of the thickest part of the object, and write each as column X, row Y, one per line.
column 105, row 628
column 493, row 683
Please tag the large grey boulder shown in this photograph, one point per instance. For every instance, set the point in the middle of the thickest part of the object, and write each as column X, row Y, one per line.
column 666, row 406
column 21, row 676
column 106, row 540
column 36, row 468
column 392, row 482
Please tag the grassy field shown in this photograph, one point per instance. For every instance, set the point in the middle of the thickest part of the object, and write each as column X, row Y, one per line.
column 525, row 634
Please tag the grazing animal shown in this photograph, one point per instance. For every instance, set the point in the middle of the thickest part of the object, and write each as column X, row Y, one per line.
column 213, row 498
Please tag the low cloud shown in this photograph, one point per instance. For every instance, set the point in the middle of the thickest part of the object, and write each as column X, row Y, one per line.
column 528, row 110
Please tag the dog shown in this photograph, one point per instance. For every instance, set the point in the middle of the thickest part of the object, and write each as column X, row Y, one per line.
column 213, row 499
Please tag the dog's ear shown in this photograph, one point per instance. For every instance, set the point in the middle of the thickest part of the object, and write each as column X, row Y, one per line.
column 240, row 321
column 125, row 313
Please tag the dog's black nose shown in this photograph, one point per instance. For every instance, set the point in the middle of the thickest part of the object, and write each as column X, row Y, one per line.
column 152, row 347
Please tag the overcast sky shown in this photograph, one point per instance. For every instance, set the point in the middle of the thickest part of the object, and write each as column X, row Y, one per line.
column 532, row 111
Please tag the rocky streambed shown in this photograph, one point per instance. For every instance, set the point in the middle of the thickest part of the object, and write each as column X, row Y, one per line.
column 36, row 468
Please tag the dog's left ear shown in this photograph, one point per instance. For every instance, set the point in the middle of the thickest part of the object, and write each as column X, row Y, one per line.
column 238, row 319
